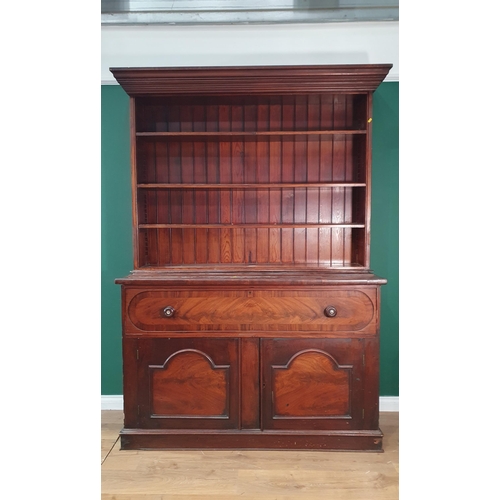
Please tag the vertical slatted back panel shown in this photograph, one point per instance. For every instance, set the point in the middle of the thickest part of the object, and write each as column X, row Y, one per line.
column 210, row 226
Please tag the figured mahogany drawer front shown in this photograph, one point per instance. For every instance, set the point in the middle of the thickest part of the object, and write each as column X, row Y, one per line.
column 252, row 311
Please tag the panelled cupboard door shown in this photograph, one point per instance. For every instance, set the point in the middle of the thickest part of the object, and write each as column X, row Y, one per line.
column 312, row 384
column 188, row 383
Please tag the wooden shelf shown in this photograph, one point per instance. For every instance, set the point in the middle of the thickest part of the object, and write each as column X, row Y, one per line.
column 267, row 133
column 249, row 133
column 275, row 185
column 263, row 225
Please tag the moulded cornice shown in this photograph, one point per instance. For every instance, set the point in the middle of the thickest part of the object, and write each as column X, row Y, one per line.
column 237, row 80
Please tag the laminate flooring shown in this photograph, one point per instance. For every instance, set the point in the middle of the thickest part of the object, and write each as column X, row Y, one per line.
column 262, row 475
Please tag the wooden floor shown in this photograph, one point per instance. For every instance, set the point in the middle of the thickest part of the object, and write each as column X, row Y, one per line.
column 263, row 475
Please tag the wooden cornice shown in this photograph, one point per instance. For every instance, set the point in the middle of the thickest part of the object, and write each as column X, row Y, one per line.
column 239, row 80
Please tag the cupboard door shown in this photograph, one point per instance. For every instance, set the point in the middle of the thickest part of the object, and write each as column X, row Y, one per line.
column 312, row 384
column 188, row 383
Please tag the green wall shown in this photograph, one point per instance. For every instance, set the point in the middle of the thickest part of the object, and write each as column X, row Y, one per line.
column 116, row 227
column 385, row 228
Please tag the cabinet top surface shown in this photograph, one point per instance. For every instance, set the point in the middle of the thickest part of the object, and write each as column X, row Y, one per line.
column 250, row 278
column 251, row 79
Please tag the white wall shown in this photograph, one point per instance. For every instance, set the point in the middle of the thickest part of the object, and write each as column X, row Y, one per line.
column 386, row 403
column 244, row 45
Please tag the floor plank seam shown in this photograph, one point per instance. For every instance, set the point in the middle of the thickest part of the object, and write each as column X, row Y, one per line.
column 110, row 450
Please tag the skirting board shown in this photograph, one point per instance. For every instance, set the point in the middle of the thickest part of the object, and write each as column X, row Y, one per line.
column 387, row 403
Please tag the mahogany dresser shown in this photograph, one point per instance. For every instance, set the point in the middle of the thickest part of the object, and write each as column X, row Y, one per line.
column 251, row 317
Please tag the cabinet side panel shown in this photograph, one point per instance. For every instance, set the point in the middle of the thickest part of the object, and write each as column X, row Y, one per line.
column 348, row 175
column 133, row 158
column 129, row 348
column 368, row 170
column 371, row 376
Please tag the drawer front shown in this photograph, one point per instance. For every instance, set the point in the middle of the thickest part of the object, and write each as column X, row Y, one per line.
column 252, row 310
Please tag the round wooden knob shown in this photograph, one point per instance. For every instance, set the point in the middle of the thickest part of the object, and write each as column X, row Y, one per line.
column 330, row 311
column 168, row 312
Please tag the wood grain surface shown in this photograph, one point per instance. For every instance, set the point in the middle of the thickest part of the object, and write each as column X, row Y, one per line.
column 252, row 310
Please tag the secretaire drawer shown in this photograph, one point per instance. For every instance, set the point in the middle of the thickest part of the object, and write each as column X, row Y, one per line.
column 344, row 310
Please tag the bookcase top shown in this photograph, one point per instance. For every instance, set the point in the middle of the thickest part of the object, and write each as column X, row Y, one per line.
column 244, row 80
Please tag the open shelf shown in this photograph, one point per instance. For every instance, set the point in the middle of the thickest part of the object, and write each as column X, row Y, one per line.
column 265, row 179
column 330, row 246
column 311, row 160
column 252, row 115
